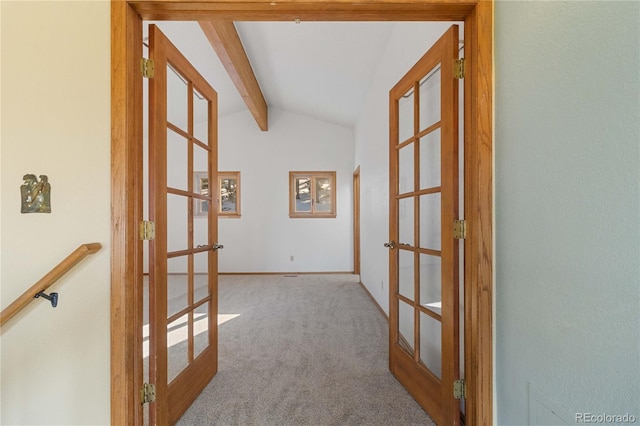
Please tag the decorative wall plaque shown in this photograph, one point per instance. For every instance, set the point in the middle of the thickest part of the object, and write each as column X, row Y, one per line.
column 36, row 194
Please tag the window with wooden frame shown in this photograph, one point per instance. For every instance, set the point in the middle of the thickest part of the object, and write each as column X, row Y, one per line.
column 229, row 193
column 312, row 194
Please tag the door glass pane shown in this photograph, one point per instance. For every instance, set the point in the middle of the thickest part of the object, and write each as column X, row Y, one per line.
column 201, row 230
column 405, row 169
column 177, row 222
column 430, row 282
column 406, row 274
column 323, row 194
column 200, row 117
column 406, row 222
column 430, row 221
column 177, row 99
column 406, row 326
column 302, row 189
column 177, row 347
column 431, row 344
column 177, row 161
column 200, row 162
column 430, row 99
column 430, row 160
column 200, row 329
column 405, row 116
column 177, row 285
column 201, row 278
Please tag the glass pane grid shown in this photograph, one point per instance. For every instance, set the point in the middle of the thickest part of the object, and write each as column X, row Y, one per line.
column 430, row 99
column 177, row 99
column 406, row 116
column 406, row 274
column 430, row 336
column 406, row 326
column 177, row 163
column 430, row 169
column 406, row 175
column 430, row 232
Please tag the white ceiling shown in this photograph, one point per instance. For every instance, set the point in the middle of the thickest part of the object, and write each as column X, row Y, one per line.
column 320, row 69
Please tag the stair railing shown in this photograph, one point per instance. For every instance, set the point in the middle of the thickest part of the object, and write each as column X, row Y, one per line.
column 39, row 288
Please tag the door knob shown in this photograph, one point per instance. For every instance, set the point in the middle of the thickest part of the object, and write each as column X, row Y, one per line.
column 390, row 244
column 217, row 246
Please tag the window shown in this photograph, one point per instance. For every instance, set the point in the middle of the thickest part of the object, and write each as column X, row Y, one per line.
column 228, row 193
column 229, row 202
column 312, row 194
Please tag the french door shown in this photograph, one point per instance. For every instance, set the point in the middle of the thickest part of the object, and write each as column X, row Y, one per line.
column 183, row 305
column 424, row 269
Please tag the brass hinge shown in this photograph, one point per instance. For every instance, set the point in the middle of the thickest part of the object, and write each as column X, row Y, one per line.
column 458, row 68
column 147, row 68
column 459, row 389
column 459, row 229
column 147, row 393
column 147, row 230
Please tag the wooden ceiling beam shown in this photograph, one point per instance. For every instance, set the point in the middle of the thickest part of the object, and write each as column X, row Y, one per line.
column 226, row 42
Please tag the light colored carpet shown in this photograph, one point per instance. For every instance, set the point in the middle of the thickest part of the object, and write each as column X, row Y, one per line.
column 305, row 350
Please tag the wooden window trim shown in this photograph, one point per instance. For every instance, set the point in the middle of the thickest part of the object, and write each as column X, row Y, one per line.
column 229, row 175
column 313, row 213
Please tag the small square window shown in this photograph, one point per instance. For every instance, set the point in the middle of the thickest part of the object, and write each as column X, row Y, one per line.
column 312, row 194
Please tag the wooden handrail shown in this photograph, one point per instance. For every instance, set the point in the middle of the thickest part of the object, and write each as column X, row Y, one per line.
column 45, row 282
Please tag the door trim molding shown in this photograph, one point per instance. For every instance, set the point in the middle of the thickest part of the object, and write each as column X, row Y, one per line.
column 356, row 221
column 126, row 176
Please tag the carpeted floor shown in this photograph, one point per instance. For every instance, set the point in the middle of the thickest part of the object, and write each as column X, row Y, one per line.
column 305, row 350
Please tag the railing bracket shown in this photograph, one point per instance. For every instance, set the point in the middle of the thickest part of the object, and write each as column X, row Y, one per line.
column 53, row 298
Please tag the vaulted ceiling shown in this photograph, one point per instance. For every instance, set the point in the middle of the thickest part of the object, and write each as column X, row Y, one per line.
column 320, row 69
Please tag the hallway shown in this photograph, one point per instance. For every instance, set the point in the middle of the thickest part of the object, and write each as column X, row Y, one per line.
column 301, row 350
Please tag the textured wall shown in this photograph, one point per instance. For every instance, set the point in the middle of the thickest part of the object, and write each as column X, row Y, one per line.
column 567, row 206
column 55, row 121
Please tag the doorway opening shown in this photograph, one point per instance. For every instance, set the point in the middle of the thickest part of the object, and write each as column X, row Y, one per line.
column 126, row 179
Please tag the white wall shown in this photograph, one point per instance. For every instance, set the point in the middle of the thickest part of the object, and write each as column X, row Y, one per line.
column 408, row 42
column 567, row 206
column 264, row 238
column 56, row 121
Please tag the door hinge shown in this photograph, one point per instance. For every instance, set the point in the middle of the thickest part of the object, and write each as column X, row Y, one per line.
column 459, row 389
column 458, row 68
column 147, row 230
column 147, row 393
column 147, row 68
column 459, row 229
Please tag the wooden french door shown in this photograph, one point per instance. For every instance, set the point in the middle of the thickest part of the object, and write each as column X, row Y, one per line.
column 424, row 290
column 183, row 270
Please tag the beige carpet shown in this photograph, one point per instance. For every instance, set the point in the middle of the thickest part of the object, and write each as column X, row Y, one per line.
column 305, row 350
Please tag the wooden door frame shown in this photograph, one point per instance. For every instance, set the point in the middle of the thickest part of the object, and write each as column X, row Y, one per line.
column 356, row 221
column 126, row 173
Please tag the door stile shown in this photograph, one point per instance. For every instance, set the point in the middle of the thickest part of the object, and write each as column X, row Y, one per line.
column 158, row 246
column 450, row 250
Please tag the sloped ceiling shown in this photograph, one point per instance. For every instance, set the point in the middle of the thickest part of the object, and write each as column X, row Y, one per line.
column 320, row 69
